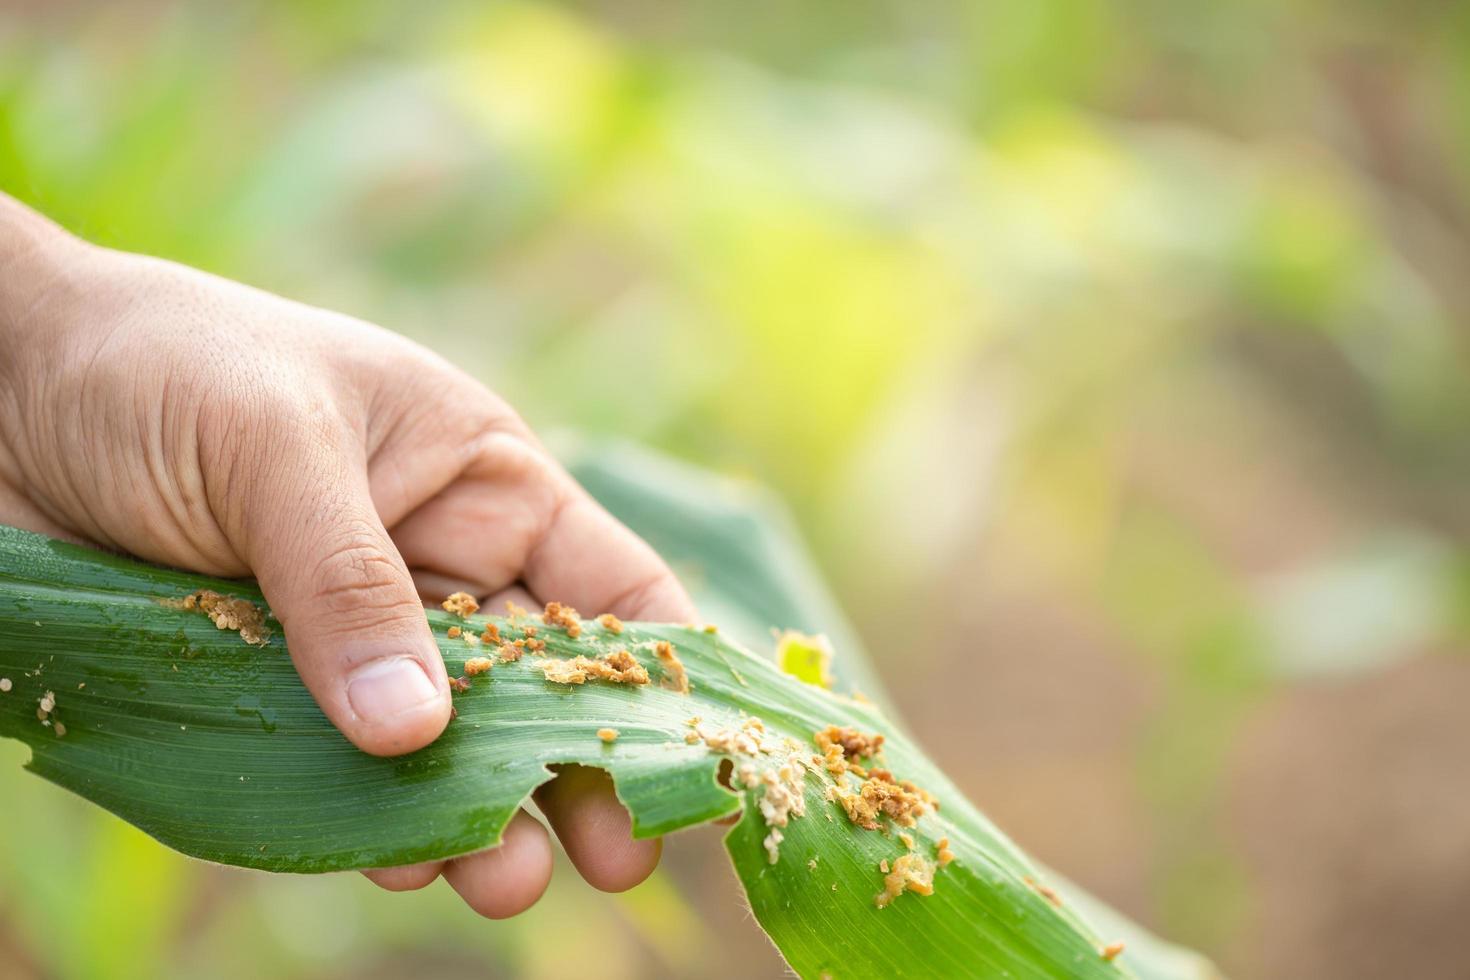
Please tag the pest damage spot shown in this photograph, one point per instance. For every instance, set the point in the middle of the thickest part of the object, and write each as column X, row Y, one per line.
column 618, row 668
column 1111, row 951
column 807, row 658
column 610, row 623
column 491, row 634
column 780, row 779
column 453, row 632
column 942, row 853
column 566, row 617
column 675, row 676
column 911, row 872
column 477, row 665
column 511, row 652
column 461, row 604
column 227, row 613
column 608, row 735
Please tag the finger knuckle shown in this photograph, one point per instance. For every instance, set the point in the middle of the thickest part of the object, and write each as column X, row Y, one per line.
column 646, row 595
column 357, row 582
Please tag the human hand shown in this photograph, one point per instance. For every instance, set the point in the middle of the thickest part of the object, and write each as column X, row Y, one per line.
column 160, row 411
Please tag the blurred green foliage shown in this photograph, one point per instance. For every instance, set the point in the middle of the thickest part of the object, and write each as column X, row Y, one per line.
column 1155, row 312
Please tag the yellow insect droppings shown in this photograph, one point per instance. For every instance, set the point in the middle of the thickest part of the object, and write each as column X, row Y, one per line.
column 911, row 872
column 610, row 623
column 227, row 613
column 942, row 853
column 477, row 665
column 1111, row 951
column 461, row 604
column 608, row 735
column 883, row 865
column 454, row 632
column 491, row 634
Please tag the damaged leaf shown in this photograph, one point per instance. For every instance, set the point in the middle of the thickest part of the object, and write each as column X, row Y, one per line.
column 212, row 745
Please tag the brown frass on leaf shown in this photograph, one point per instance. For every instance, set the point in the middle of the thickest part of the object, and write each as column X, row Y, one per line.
column 227, row 613
column 610, row 623
column 880, row 795
column 616, row 668
column 676, row 678
column 1045, row 892
column 477, row 665
column 566, row 617
column 461, row 604
column 854, row 744
column 911, row 872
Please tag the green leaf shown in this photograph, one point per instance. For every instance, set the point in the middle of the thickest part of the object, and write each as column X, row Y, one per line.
column 213, row 746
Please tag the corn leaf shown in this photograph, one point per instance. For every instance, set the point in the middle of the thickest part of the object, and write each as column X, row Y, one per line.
column 212, row 745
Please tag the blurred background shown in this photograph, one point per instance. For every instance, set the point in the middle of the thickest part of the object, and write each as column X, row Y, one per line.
column 1113, row 356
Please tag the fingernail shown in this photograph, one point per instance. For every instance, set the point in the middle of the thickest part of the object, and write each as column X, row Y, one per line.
column 385, row 689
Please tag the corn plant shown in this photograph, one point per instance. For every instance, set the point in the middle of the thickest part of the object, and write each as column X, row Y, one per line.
column 169, row 699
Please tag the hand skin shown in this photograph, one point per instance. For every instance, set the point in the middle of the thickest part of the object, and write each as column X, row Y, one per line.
column 156, row 410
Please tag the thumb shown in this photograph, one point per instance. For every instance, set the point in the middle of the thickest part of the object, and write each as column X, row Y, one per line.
column 353, row 620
